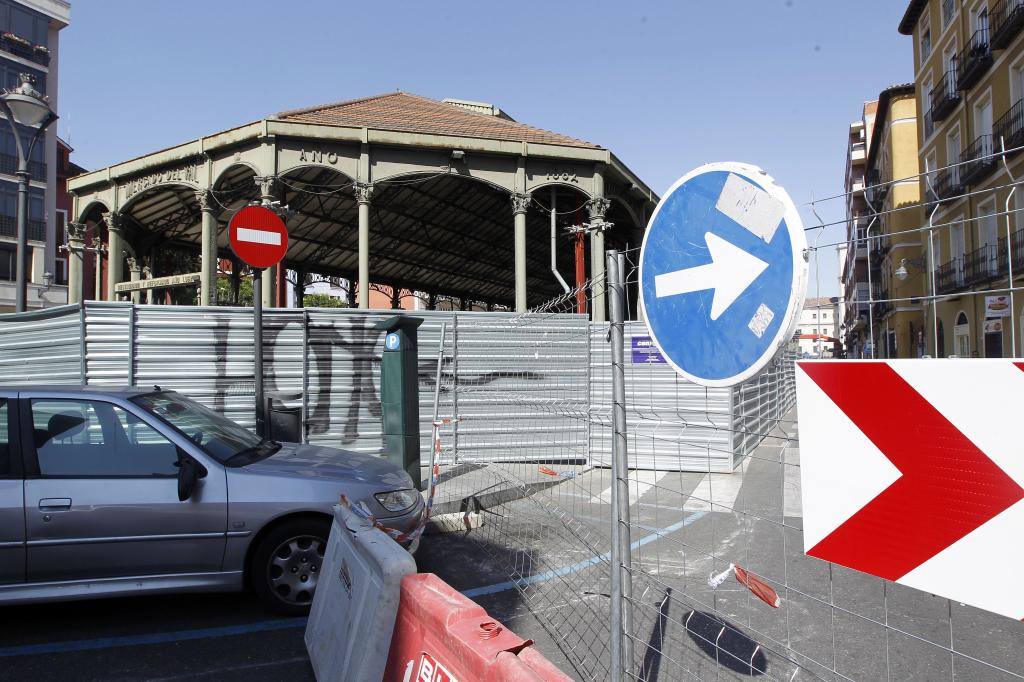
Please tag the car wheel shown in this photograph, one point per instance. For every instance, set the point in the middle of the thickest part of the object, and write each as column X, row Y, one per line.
column 287, row 564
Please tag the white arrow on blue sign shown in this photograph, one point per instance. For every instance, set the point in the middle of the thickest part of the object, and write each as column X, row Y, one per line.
column 723, row 273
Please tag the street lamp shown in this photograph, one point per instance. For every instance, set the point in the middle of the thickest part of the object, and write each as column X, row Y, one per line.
column 27, row 106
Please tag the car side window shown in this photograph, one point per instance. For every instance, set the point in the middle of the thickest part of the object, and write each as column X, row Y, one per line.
column 5, row 437
column 98, row 439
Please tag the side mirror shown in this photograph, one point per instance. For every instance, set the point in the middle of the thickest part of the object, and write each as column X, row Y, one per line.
column 189, row 473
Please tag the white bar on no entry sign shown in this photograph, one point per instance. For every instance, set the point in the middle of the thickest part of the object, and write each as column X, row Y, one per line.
column 246, row 234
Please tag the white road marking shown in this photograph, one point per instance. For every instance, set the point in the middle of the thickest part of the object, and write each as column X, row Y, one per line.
column 639, row 483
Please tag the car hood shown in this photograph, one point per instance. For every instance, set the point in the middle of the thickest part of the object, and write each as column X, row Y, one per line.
column 315, row 462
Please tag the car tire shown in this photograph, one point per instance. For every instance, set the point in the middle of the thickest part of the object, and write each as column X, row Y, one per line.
column 287, row 563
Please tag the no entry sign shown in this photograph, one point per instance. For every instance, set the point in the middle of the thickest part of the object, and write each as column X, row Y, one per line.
column 258, row 236
column 911, row 470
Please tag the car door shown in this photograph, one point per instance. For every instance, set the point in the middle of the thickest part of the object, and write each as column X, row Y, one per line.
column 101, row 495
column 12, row 498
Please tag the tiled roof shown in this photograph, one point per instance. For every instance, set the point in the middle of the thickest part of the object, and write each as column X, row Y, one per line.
column 401, row 111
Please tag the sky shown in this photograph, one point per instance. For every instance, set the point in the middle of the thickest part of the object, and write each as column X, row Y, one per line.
column 667, row 86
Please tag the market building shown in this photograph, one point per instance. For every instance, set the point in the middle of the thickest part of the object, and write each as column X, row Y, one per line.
column 445, row 198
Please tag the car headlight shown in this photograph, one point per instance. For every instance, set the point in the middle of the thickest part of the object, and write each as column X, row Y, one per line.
column 397, row 500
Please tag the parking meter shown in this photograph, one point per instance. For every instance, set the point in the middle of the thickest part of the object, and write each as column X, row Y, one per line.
column 400, row 393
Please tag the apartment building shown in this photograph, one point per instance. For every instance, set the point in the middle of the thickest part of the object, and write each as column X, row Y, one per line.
column 819, row 326
column 29, row 43
column 969, row 71
column 854, row 280
column 892, row 195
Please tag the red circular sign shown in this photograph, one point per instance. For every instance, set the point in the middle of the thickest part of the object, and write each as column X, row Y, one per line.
column 258, row 236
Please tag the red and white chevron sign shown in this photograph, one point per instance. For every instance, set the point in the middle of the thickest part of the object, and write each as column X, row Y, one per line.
column 911, row 470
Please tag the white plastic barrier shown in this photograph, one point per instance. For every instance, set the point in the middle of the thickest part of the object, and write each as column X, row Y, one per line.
column 356, row 601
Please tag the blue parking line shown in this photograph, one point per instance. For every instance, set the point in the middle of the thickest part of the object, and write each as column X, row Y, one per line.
column 150, row 638
column 290, row 623
column 566, row 570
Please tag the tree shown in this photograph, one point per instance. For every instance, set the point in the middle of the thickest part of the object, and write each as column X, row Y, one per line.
column 322, row 301
column 224, row 291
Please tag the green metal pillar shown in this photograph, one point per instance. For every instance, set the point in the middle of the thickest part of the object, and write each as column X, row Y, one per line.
column 400, row 393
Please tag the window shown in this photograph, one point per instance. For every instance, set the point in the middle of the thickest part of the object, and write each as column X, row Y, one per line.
column 987, row 224
column 957, row 245
column 953, row 155
column 97, row 439
column 926, row 44
column 948, row 11
column 962, row 336
column 5, row 438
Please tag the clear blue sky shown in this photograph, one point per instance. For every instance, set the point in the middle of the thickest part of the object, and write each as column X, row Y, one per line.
column 666, row 86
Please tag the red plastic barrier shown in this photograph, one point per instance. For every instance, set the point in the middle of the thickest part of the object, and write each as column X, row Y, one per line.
column 441, row 636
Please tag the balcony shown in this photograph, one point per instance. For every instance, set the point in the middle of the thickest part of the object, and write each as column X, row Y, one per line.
column 23, row 48
column 948, row 183
column 949, row 277
column 978, row 160
column 981, row 265
column 882, row 307
column 877, row 188
column 1010, row 127
column 1006, row 21
column 9, row 228
column 974, row 60
column 9, row 166
column 1017, row 254
column 944, row 95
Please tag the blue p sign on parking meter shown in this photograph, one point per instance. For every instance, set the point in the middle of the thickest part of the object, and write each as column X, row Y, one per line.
column 723, row 273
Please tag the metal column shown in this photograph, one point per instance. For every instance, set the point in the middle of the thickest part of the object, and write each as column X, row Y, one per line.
column 621, row 588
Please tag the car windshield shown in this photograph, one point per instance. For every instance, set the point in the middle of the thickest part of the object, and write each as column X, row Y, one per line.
column 216, row 434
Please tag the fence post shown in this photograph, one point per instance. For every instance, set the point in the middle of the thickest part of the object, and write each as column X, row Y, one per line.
column 455, row 388
column 621, row 575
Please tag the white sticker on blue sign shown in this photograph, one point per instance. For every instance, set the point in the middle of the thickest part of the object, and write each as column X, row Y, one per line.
column 391, row 341
column 722, row 273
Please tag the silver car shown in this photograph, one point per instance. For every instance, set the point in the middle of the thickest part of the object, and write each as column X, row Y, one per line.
column 117, row 491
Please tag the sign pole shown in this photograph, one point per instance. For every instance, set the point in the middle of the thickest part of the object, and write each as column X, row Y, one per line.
column 257, row 321
column 259, row 238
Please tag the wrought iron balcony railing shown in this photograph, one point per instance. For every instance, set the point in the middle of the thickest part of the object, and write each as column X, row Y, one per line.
column 1016, row 252
column 9, row 166
column 948, row 182
column 883, row 306
column 1006, row 20
column 978, row 160
column 945, row 95
column 9, row 228
column 981, row 265
column 974, row 60
column 949, row 277
column 1009, row 129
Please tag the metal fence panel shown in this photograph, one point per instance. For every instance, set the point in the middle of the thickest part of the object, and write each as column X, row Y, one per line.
column 42, row 347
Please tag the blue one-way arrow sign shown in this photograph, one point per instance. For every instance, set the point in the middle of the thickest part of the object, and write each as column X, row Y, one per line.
column 722, row 273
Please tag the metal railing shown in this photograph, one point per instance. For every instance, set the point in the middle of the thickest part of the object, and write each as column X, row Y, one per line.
column 945, row 95
column 9, row 228
column 981, row 264
column 883, row 306
column 974, row 60
column 949, row 182
column 1016, row 250
column 978, row 160
column 1006, row 21
column 949, row 277
column 28, row 52
column 1009, row 129
column 9, row 166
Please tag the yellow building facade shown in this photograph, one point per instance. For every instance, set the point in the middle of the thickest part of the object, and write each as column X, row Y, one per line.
column 969, row 73
column 892, row 193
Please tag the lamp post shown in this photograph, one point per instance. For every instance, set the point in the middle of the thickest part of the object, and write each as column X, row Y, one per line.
column 27, row 106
